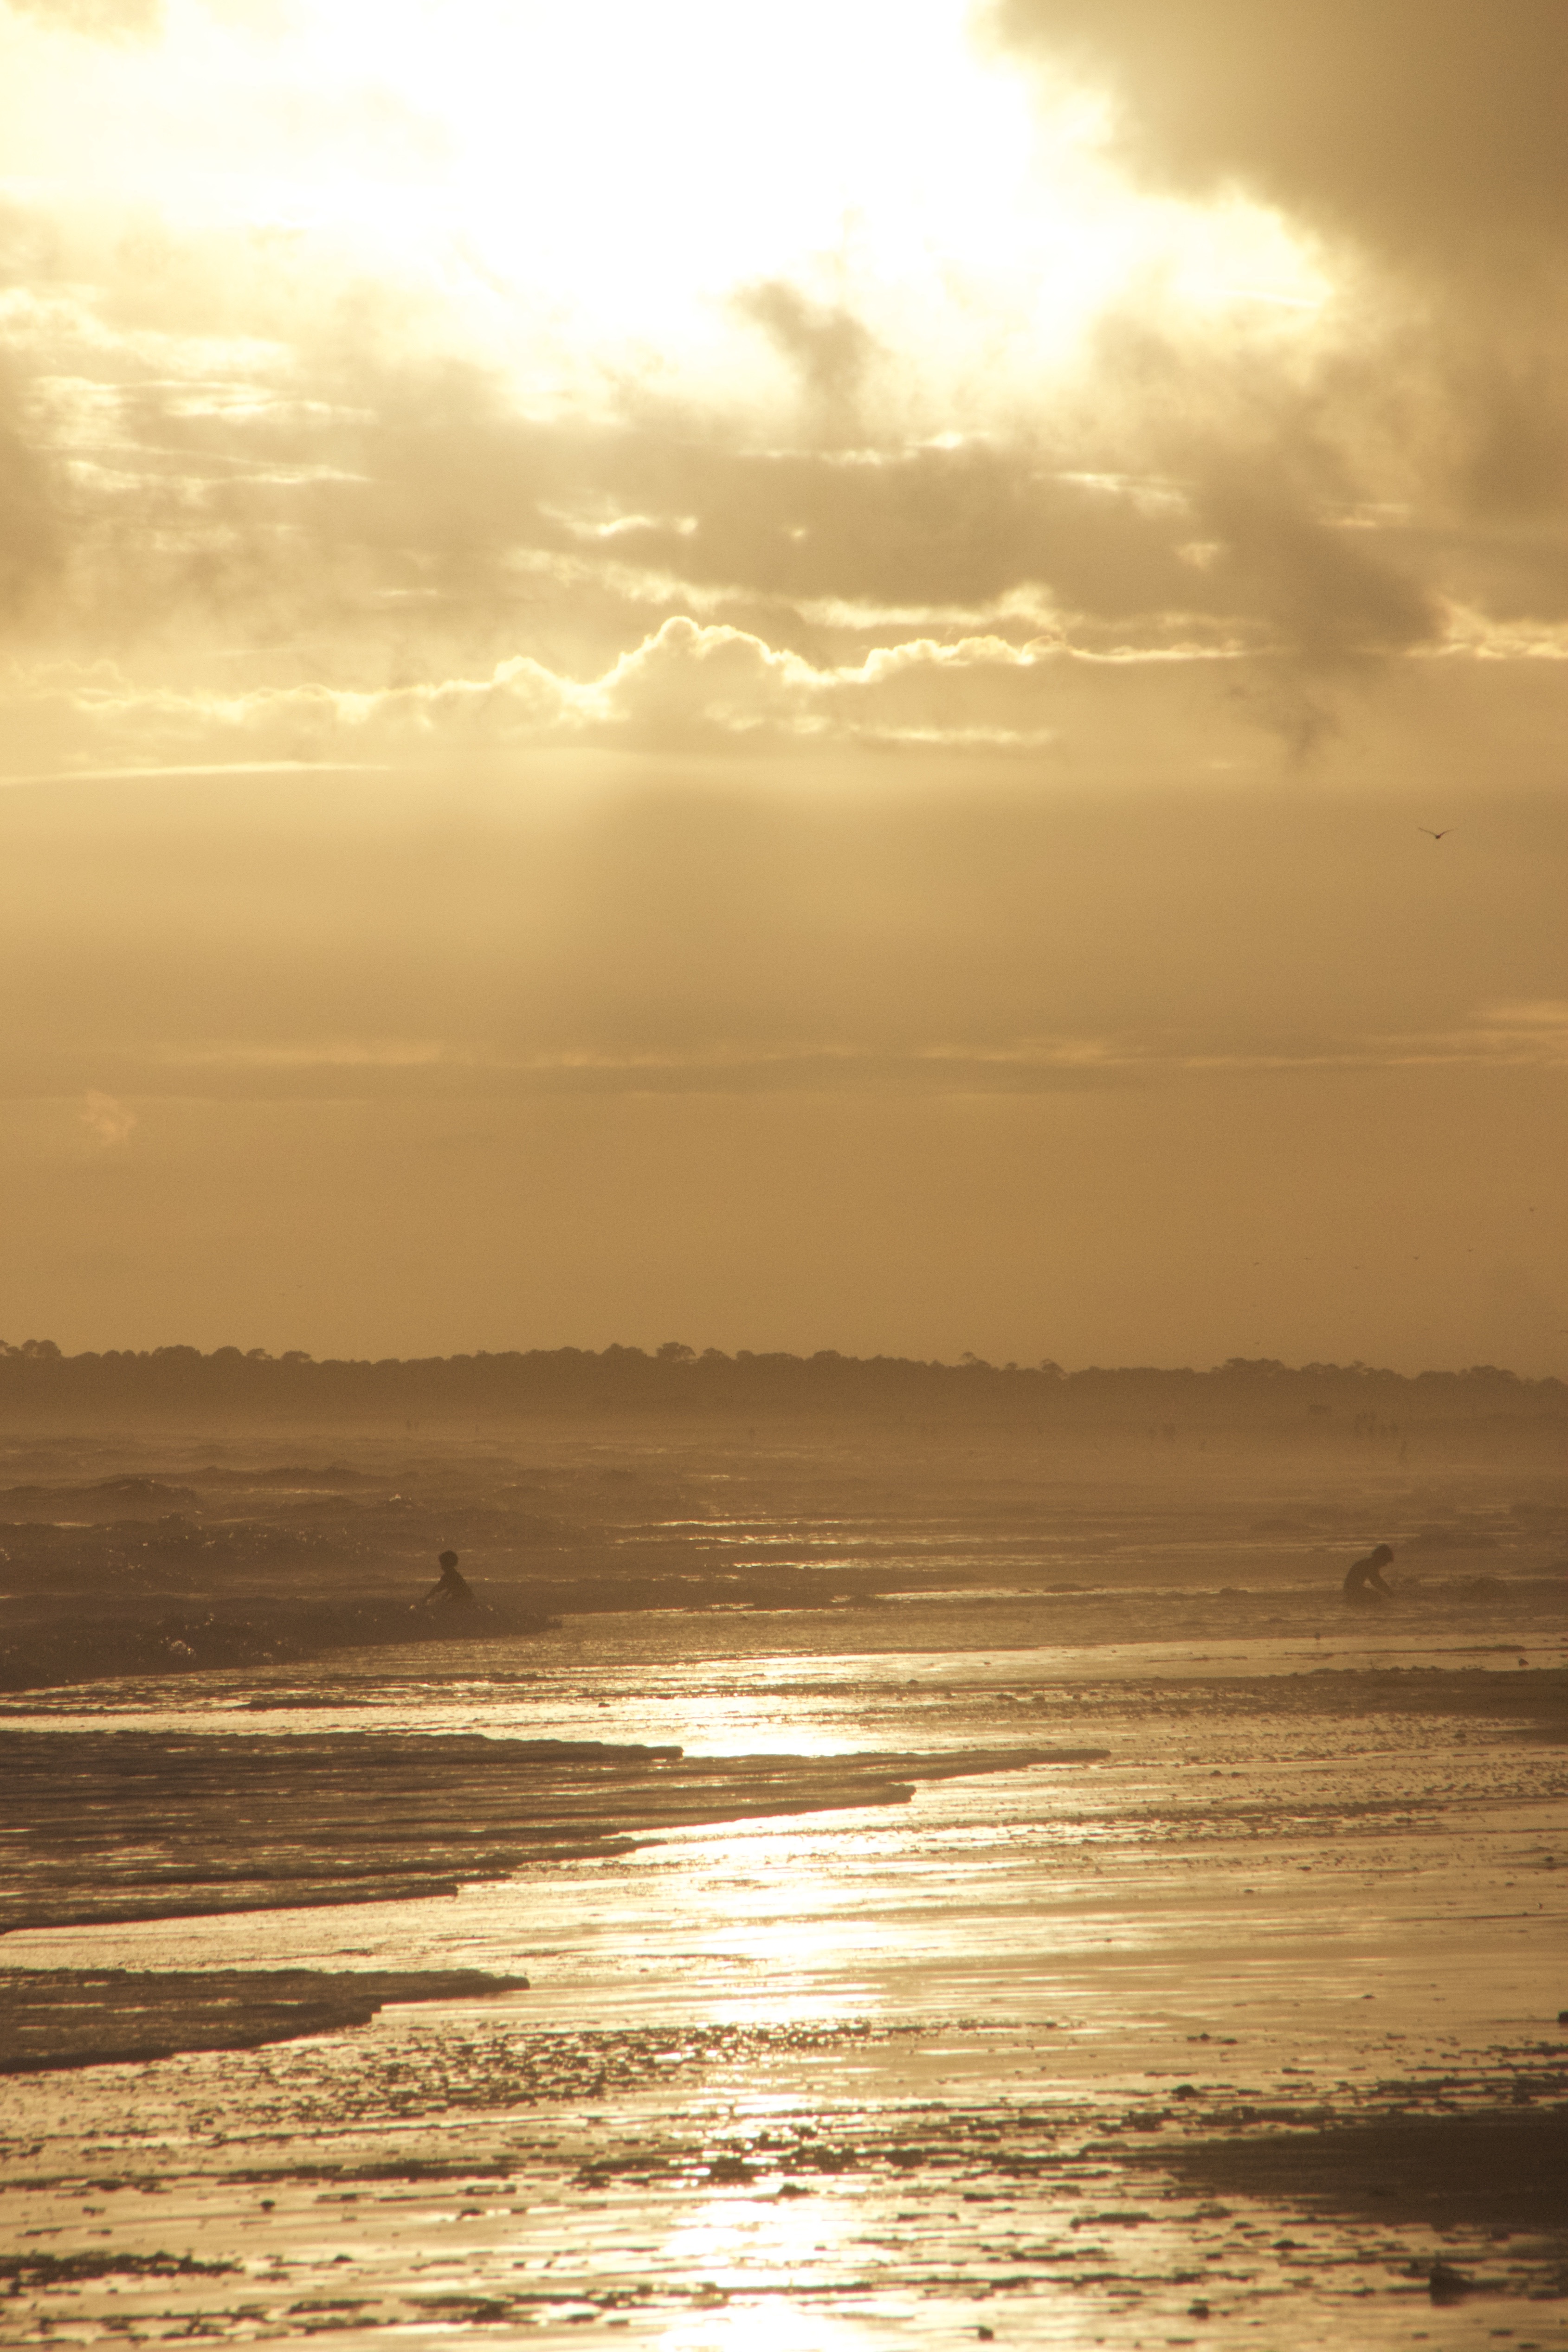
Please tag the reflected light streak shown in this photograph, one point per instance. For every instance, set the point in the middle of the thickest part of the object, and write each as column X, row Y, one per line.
column 763, row 2325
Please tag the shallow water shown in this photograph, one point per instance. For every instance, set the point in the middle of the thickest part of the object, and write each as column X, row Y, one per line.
column 904, row 2074
column 811, row 1682
column 901, row 2075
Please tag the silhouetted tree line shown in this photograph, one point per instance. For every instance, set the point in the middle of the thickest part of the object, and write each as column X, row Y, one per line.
column 36, row 1380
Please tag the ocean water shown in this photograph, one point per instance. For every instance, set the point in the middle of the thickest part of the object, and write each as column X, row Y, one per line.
column 1025, row 2058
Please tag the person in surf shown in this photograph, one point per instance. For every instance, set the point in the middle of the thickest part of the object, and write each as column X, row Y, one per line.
column 1363, row 1586
column 449, row 1589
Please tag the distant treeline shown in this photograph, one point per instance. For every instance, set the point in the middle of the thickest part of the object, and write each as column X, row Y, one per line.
column 38, row 1382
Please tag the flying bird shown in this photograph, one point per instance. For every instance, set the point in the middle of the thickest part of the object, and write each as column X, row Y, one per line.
column 1427, row 829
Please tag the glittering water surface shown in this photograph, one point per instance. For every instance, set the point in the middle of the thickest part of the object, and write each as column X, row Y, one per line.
column 911, row 2073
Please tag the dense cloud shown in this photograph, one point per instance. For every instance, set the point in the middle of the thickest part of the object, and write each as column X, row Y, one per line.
column 1423, row 140
column 249, row 475
column 1434, row 126
column 263, row 455
column 423, row 536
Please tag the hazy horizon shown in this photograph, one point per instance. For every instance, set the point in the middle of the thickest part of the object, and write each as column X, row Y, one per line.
column 681, row 1353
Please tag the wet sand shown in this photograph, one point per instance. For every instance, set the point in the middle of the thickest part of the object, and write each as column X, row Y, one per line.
column 106, row 1827
column 51, row 2018
column 1245, row 2031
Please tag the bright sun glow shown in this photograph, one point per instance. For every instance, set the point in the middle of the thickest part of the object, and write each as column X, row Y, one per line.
column 588, row 188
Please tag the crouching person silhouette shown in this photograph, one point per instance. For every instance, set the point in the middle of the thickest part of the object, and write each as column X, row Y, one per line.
column 1363, row 1586
column 449, row 1591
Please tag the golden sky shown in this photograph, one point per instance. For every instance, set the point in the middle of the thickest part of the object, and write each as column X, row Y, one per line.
column 774, row 679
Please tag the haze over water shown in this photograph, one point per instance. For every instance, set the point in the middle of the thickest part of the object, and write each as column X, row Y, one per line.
column 1171, row 1868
